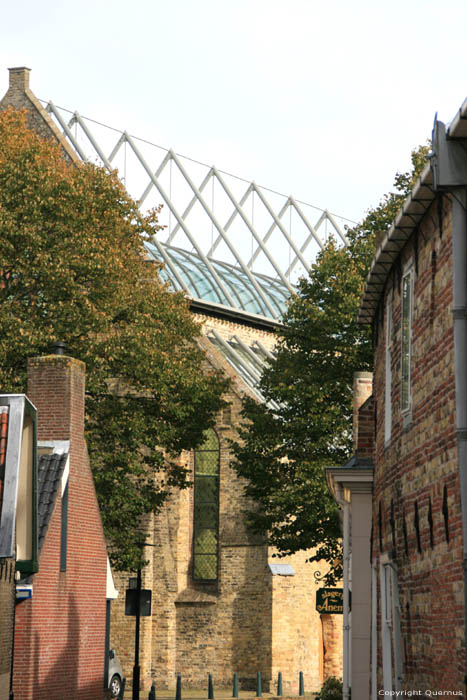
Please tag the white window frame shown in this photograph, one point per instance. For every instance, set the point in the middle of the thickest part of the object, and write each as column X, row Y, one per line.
column 407, row 277
column 391, row 639
column 388, row 375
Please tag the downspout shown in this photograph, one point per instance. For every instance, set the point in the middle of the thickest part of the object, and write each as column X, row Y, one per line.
column 346, row 616
column 449, row 168
column 459, row 253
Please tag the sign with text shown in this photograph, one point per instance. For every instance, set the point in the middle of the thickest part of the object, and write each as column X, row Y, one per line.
column 330, row 601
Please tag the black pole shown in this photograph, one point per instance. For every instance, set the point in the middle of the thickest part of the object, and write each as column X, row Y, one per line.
column 210, row 688
column 178, row 691
column 235, row 685
column 136, row 668
column 107, row 643
column 279, row 685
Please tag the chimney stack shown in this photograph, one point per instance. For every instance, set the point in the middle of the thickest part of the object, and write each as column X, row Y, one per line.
column 19, row 78
column 363, row 422
column 56, row 387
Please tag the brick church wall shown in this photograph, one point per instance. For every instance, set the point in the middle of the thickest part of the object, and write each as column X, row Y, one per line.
column 247, row 621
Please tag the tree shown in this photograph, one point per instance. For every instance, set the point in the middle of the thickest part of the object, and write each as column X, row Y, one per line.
column 73, row 268
column 305, row 423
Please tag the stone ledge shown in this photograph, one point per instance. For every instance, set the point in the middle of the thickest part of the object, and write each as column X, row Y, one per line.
column 192, row 597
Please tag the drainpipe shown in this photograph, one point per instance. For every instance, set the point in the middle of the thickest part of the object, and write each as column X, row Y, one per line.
column 449, row 167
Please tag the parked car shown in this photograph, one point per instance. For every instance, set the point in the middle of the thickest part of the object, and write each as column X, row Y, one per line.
column 115, row 675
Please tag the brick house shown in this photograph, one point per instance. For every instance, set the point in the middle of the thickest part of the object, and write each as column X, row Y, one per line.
column 221, row 602
column 60, row 626
column 53, row 557
column 416, row 301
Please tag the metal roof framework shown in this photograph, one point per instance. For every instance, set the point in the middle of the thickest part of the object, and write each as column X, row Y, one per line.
column 248, row 361
column 276, row 252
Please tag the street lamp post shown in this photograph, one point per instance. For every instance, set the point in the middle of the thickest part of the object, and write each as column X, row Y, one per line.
column 136, row 667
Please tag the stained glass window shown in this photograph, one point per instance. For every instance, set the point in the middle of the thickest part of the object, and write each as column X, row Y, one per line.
column 206, row 509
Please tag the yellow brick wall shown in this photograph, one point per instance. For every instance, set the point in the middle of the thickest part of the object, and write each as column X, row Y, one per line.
column 248, row 620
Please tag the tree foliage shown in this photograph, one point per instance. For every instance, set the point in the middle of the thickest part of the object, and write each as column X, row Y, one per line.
column 282, row 451
column 73, row 268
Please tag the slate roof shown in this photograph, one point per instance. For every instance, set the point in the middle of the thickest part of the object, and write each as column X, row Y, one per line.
column 49, row 474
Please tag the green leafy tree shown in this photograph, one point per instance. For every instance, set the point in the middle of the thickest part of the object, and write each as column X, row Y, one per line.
column 73, row 268
column 305, row 423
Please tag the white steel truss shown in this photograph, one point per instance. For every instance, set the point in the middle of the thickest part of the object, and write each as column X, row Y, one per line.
column 222, row 219
column 248, row 362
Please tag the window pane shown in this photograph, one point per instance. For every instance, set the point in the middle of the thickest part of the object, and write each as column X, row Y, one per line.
column 205, row 567
column 211, row 441
column 205, row 516
column 206, row 542
column 406, row 339
column 205, row 489
column 206, row 462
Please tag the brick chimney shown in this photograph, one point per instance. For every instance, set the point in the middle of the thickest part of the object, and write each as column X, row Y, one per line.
column 19, row 78
column 363, row 414
column 56, row 387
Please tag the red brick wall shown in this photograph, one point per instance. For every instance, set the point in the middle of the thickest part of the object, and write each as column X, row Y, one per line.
column 366, row 430
column 60, row 633
column 419, row 461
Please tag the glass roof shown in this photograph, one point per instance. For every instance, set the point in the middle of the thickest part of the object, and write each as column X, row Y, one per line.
column 188, row 271
column 248, row 361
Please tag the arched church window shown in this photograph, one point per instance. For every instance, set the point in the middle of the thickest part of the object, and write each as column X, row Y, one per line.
column 206, row 509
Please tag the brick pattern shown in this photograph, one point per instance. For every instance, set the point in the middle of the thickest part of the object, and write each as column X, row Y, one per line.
column 248, row 620
column 362, row 390
column 419, row 462
column 365, row 447
column 7, row 601
column 60, row 632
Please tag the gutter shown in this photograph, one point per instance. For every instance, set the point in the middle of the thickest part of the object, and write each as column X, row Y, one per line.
column 449, row 167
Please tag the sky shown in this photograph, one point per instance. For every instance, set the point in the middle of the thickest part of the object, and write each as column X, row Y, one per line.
column 324, row 101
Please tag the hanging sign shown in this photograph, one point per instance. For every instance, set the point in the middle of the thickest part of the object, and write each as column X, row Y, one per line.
column 131, row 602
column 330, row 601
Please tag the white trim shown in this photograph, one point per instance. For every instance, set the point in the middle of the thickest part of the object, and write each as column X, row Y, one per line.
column 388, row 375
column 386, row 637
column 408, row 274
column 66, row 474
column 396, row 622
column 111, row 591
column 59, row 447
column 374, row 630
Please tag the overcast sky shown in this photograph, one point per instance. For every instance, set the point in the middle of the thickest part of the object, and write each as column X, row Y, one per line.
column 320, row 100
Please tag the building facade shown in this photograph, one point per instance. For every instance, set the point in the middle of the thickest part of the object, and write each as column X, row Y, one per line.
column 222, row 603
column 416, row 301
